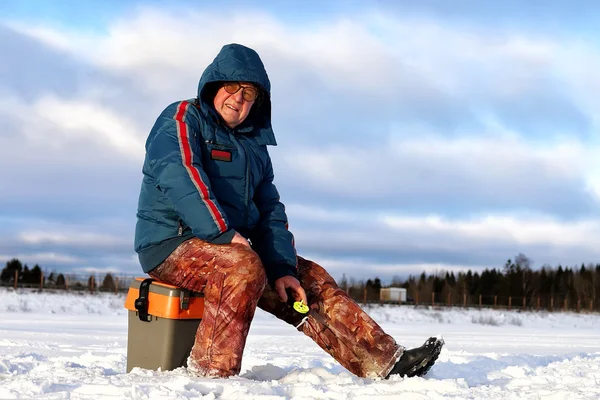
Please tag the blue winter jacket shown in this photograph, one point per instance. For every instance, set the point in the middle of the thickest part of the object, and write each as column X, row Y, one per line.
column 202, row 179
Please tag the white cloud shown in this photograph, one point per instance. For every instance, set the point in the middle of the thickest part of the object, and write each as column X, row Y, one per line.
column 524, row 231
column 77, row 119
column 107, row 239
column 482, row 166
column 371, row 51
column 369, row 269
column 41, row 258
column 407, row 67
column 98, row 246
column 60, row 123
column 50, row 35
column 396, row 244
column 413, row 67
column 69, row 239
column 321, row 214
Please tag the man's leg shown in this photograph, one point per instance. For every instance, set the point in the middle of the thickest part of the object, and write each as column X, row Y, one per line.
column 341, row 328
column 232, row 278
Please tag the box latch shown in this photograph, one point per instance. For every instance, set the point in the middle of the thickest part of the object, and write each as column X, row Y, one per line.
column 184, row 299
column 141, row 303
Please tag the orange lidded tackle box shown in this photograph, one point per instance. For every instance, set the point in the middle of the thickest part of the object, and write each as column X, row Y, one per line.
column 162, row 324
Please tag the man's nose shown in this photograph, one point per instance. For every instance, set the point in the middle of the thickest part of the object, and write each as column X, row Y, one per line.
column 239, row 95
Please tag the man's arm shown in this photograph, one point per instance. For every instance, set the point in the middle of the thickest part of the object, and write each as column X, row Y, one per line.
column 175, row 164
column 271, row 239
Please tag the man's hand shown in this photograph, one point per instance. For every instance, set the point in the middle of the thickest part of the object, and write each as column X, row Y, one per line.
column 292, row 283
column 237, row 238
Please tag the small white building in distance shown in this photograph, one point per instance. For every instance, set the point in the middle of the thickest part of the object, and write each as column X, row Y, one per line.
column 392, row 295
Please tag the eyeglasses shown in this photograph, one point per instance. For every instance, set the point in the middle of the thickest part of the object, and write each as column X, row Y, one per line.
column 249, row 93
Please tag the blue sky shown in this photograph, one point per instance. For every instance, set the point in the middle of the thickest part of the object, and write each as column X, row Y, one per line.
column 413, row 135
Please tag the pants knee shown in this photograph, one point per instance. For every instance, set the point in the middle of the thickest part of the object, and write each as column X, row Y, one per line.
column 313, row 272
column 249, row 269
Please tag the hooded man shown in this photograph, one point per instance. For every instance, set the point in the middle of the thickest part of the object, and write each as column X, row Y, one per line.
column 210, row 220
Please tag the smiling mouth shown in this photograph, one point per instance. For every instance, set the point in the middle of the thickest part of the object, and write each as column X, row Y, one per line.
column 232, row 107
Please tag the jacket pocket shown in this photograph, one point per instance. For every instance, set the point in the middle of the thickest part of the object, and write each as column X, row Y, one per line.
column 223, row 161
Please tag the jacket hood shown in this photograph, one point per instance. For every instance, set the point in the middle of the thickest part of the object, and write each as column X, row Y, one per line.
column 240, row 63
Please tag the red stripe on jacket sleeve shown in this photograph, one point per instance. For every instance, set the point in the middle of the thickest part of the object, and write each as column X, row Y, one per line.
column 187, row 157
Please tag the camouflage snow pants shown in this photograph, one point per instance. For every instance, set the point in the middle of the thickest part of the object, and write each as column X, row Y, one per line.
column 234, row 283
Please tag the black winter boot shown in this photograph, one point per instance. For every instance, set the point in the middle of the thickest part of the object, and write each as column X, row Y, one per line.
column 417, row 361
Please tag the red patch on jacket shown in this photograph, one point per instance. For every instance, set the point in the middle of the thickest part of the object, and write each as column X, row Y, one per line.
column 220, row 155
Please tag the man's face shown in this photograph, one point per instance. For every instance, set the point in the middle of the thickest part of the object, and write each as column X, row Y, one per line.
column 235, row 107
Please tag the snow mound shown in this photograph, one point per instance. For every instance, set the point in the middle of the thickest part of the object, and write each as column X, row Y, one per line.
column 69, row 303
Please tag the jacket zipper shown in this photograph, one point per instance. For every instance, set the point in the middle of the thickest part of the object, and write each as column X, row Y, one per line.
column 246, row 199
column 180, row 229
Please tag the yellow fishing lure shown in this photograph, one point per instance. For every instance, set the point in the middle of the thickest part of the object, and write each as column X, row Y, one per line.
column 301, row 307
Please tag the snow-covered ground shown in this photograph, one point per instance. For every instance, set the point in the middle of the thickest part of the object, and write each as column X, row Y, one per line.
column 70, row 346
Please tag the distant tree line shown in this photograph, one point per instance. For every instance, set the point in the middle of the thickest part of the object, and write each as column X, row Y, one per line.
column 25, row 275
column 516, row 281
column 34, row 277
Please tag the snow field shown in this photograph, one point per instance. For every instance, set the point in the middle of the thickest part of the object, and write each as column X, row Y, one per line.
column 72, row 346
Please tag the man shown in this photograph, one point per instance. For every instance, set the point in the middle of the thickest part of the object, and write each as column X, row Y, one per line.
column 210, row 220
